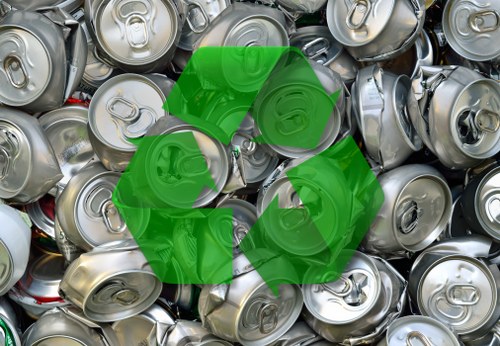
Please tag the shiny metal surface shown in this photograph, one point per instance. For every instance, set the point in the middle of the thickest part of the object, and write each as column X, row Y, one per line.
column 244, row 217
column 42, row 277
column 41, row 217
column 187, row 333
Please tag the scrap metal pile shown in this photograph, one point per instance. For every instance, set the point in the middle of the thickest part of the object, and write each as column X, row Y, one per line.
column 420, row 95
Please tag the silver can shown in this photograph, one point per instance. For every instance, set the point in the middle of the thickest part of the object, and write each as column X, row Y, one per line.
column 450, row 284
column 183, row 296
column 136, row 37
column 357, row 308
column 111, row 283
column 318, row 44
column 376, row 30
column 125, row 107
column 45, row 84
column 42, row 214
column 66, row 130
column 29, row 5
column 15, row 238
column 247, row 311
column 302, row 6
column 416, row 210
column 472, row 28
column 9, row 332
column 69, row 250
column 380, row 103
column 192, row 333
column 85, row 211
column 299, row 335
column 459, row 114
column 480, row 203
column 29, row 167
column 425, row 330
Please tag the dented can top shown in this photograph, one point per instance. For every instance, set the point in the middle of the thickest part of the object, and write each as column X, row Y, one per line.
column 186, row 333
column 472, row 28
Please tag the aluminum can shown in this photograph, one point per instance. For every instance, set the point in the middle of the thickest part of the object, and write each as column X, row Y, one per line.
column 451, row 283
column 459, row 116
column 45, row 84
column 57, row 328
column 69, row 250
column 42, row 214
column 318, row 44
column 472, row 28
column 28, row 5
column 246, row 311
column 9, row 332
column 357, row 308
column 199, row 16
column 416, row 210
column 427, row 331
column 147, row 328
column 376, row 30
column 29, row 167
column 192, row 333
column 380, row 103
column 184, row 296
column 66, row 130
column 299, row 335
column 480, row 203
column 215, row 153
column 86, row 212
column 267, row 105
column 138, row 38
column 111, row 283
column 15, row 237
column 123, row 108
column 302, row 6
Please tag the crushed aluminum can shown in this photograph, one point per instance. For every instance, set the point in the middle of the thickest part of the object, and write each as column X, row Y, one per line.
column 9, row 332
column 69, row 250
column 472, row 28
column 58, row 328
column 139, row 38
column 147, row 328
column 60, row 58
column 415, row 211
column 268, row 102
column 66, row 130
column 29, row 168
column 357, row 308
column 28, row 5
column 459, row 114
column 183, row 296
column 302, row 6
column 124, row 108
column 480, row 203
column 246, row 311
column 42, row 214
column 112, row 282
column 453, row 283
column 86, row 212
column 380, row 103
column 199, row 16
column 192, row 333
column 299, row 335
column 318, row 44
column 427, row 331
column 15, row 237
column 376, row 30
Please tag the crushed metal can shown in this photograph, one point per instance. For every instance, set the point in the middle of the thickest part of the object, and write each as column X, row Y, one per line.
column 192, row 333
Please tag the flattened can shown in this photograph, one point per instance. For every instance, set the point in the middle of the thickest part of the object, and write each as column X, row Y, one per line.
column 28, row 168
column 302, row 6
column 66, row 130
column 15, row 238
column 111, row 283
column 192, row 333
column 139, row 36
column 125, row 108
column 42, row 214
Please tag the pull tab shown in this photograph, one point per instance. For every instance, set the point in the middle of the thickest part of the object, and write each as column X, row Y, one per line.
column 358, row 13
column 194, row 7
column 343, row 287
column 122, row 109
column 117, row 292
column 292, row 122
column 492, row 206
column 125, row 296
column 112, row 218
column 320, row 45
column 16, row 72
column 137, row 31
column 418, row 336
column 484, row 21
column 8, row 150
column 464, row 295
column 268, row 318
column 408, row 220
column 487, row 121
column 139, row 128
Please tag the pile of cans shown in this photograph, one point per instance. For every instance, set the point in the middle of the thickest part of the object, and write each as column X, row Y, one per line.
column 420, row 93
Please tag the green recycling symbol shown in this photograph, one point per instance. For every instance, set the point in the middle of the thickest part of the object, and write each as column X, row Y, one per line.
column 335, row 194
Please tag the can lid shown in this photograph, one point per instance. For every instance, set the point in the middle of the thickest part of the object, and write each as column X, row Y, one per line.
column 405, row 330
column 348, row 299
column 472, row 28
column 125, row 107
column 6, row 266
column 358, row 22
column 66, row 130
column 244, row 217
column 22, row 80
column 459, row 291
column 317, row 43
column 487, row 203
column 42, row 277
column 475, row 123
column 42, row 214
column 138, row 32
